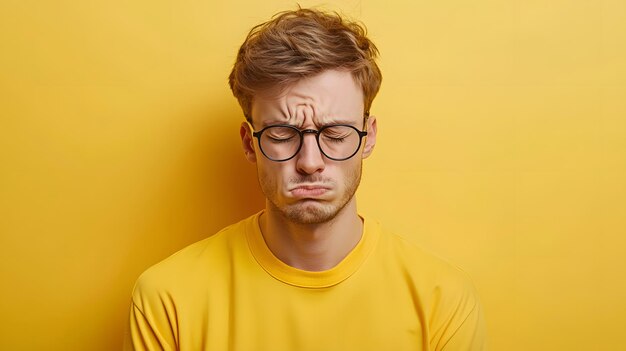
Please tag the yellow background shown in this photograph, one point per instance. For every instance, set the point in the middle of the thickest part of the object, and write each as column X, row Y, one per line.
column 502, row 146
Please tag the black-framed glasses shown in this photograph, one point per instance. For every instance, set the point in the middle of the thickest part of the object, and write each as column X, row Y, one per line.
column 282, row 142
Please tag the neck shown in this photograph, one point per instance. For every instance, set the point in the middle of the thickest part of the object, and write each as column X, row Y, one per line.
column 312, row 247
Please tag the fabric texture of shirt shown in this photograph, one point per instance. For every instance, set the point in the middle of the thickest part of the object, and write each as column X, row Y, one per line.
column 229, row 292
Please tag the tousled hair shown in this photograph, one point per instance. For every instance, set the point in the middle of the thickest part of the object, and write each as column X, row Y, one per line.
column 297, row 44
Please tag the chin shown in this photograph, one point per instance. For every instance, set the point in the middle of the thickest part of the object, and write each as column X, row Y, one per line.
column 310, row 215
column 311, row 212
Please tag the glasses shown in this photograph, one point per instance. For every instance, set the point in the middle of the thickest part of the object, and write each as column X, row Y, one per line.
column 337, row 142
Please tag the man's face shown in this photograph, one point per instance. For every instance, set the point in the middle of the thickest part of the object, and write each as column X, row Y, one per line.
column 310, row 188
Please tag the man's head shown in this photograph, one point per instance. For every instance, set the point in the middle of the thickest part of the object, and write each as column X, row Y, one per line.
column 302, row 43
column 309, row 71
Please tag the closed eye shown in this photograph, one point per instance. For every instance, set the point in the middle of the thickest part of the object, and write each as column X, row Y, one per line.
column 336, row 134
column 280, row 140
column 334, row 139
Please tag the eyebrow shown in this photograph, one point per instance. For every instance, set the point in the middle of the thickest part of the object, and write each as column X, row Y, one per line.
column 331, row 121
column 341, row 121
column 273, row 123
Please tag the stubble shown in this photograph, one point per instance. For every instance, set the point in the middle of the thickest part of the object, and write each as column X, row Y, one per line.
column 310, row 211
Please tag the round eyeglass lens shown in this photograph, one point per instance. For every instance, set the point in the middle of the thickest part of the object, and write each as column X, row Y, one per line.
column 280, row 143
column 339, row 142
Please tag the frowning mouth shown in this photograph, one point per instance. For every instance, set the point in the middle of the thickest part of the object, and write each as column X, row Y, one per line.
column 308, row 190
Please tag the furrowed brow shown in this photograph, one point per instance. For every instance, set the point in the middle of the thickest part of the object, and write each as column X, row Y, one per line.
column 335, row 121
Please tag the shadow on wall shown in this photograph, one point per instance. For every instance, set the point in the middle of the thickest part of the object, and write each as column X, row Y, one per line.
column 228, row 184
column 208, row 186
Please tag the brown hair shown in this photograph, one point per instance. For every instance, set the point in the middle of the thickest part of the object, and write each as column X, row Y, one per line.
column 301, row 43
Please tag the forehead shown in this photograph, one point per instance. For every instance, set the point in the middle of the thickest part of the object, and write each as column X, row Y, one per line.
column 329, row 97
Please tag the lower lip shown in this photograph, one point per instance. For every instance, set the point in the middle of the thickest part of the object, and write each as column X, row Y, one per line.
column 302, row 192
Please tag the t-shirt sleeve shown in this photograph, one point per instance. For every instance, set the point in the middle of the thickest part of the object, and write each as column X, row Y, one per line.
column 152, row 324
column 458, row 321
column 470, row 335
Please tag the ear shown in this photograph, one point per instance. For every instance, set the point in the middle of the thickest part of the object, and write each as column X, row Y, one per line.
column 370, row 139
column 247, row 141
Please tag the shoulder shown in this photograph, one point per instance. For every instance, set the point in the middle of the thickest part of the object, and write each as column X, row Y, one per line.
column 435, row 279
column 445, row 292
column 207, row 258
column 427, row 264
column 396, row 247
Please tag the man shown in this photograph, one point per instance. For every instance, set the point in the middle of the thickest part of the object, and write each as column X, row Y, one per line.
column 307, row 272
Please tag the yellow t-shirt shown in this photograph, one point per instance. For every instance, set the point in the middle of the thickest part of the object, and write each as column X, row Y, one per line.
column 229, row 292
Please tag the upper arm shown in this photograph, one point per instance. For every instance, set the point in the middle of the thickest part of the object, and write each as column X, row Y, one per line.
column 470, row 335
column 457, row 323
column 153, row 320
column 144, row 333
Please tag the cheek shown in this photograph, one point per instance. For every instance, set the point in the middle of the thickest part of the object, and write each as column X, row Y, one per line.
column 272, row 173
column 352, row 172
column 344, row 173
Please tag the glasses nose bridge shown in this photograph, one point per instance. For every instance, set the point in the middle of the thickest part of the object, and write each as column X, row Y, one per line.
column 303, row 132
column 315, row 133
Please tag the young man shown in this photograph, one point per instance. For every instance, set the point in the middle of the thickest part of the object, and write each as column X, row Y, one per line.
column 307, row 272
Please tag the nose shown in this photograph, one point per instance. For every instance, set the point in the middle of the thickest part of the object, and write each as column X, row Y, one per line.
column 310, row 159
